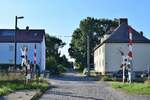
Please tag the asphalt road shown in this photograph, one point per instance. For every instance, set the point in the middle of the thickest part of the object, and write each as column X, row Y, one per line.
column 74, row 86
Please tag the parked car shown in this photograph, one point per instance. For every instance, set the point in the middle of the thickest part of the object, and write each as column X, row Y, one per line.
column 145, row 74
column 119, row 74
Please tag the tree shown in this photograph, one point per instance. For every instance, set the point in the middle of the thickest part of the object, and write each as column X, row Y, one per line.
column 54, row 62
column 95, row 28
column 64, row 61
column 53, row 44
column 77, row 48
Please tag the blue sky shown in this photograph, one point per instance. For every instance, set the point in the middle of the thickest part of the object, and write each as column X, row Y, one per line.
column 62, row 17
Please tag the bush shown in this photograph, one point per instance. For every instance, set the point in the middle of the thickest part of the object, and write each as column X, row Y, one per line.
column 61, row 68
column 54, row 70
column 106, row 78
column 52, row 66
column 50, row 62
column 4, row 90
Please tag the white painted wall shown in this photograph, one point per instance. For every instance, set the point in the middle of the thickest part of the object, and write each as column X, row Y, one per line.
column 113, row 56
column 7, row 53
column 30, row 53
column 99, row 59
column 113, row 59
column 141, row 56
column 43, row 55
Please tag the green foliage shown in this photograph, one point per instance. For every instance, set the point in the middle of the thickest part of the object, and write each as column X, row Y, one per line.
column 50, row 62
column 53, row 58
column 4, row 90
column 147, row 82
column 77, row 48
column 53, row 44
column 138, row 88
column 64, row 62
column 56, row 68
column 9, row 86
column 106, row 78
column 61, row 68
column 95, row 28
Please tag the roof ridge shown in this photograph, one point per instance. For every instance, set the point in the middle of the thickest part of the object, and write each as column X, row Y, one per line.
column 120, row 35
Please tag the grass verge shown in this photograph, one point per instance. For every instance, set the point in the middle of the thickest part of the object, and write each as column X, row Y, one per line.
column 10, row 86
column 138, row 88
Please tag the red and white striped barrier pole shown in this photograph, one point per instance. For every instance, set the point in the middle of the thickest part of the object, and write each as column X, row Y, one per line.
column 130, row 54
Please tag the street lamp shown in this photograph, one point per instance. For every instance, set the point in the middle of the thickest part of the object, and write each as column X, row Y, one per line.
column 16, row 19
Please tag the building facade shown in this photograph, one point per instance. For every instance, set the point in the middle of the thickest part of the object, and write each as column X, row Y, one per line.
column 107, row 56
column 24, row 38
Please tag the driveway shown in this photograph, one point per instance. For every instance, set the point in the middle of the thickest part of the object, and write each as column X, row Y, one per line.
column 73, row 86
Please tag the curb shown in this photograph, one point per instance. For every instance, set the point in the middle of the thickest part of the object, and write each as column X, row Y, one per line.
column 39, row 94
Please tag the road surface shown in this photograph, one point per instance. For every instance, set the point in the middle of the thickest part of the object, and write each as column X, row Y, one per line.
column 74, row 86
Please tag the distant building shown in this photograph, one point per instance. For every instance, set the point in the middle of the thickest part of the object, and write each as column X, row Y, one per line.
column 107, row 57
column 24, row 38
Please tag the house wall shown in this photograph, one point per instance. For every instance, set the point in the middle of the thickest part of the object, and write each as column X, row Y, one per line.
column 107, row 57
column 113, row 55
column 30, row 53
column 43, row 55
column 141, row 56
column 7, row 53
column 99, row 59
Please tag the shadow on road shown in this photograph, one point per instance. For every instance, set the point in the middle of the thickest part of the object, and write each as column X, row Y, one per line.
column 69, row 77
column 2, row 98
column 70, row 94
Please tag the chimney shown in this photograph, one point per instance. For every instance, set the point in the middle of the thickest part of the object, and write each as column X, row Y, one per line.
column 123, row 21
column 27, row 28
column 141, row 33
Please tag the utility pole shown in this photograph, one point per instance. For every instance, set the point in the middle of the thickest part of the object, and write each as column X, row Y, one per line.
column 16, row 29
column 15, row 41
column 88, row 54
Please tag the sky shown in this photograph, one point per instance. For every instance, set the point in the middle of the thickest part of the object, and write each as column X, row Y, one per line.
column 62, row 17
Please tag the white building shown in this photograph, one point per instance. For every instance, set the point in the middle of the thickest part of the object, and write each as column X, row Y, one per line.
column 24, row 38
column 107, row 57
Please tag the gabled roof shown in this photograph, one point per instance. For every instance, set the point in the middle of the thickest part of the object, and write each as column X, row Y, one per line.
column 23, row 36
column 120, row 35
